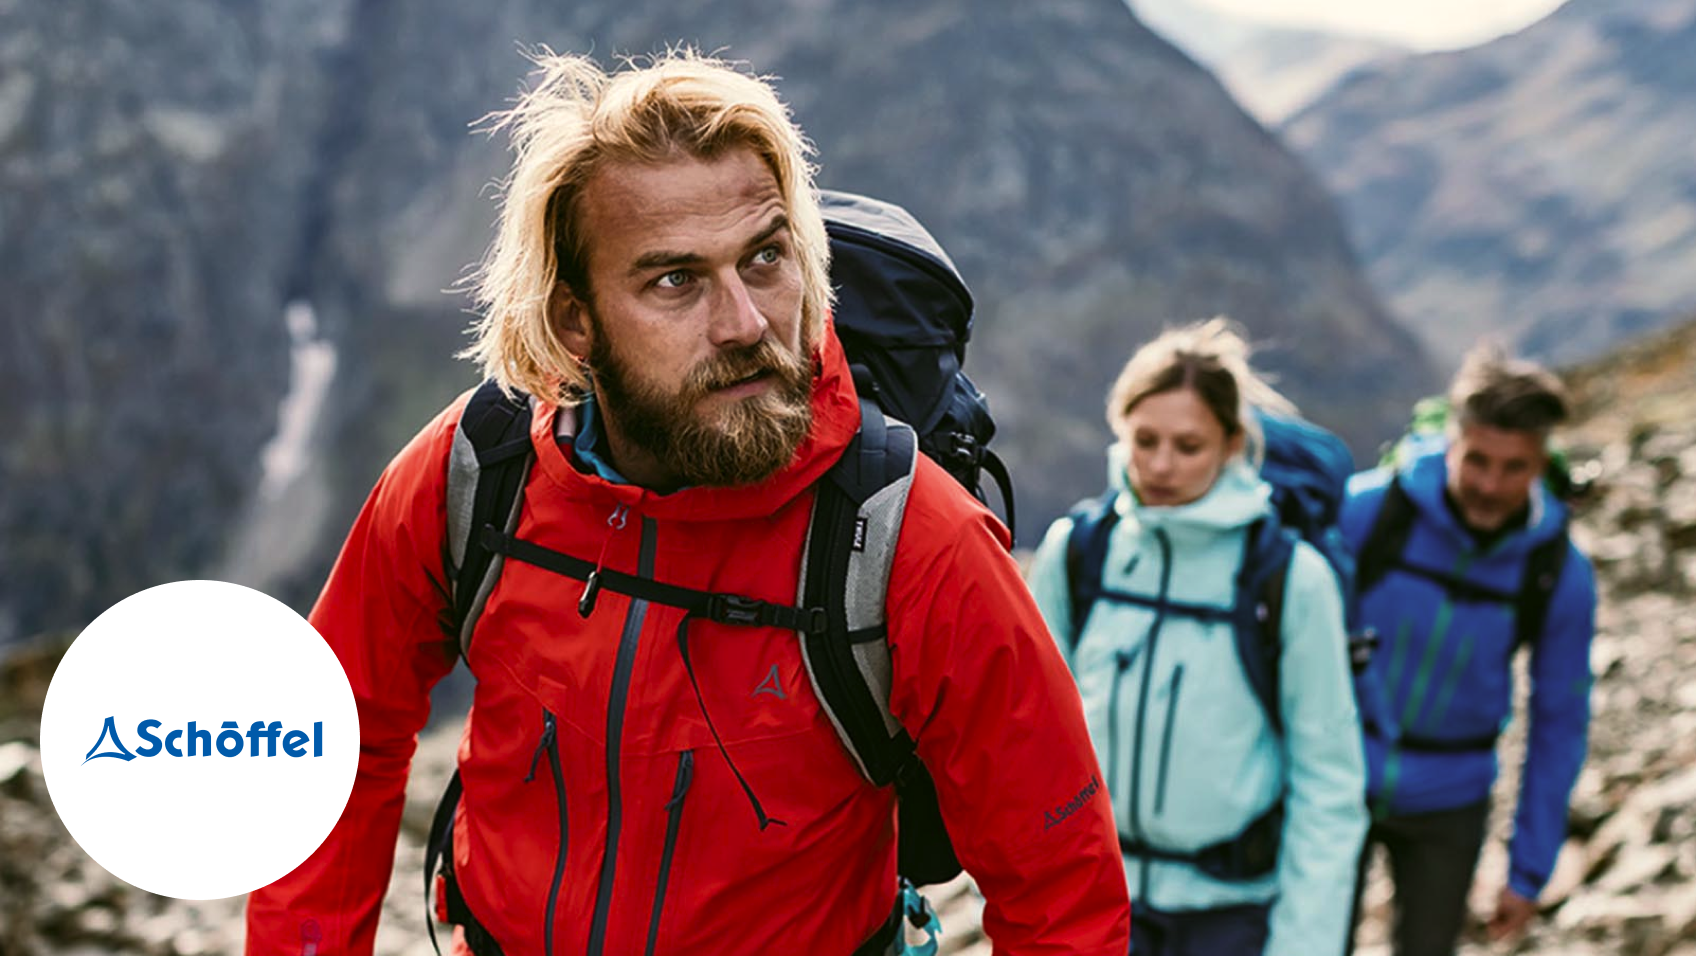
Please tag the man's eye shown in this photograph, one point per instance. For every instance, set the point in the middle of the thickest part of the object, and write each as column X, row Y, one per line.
column 675, row 279
column 767, row 256
column 1189, row 449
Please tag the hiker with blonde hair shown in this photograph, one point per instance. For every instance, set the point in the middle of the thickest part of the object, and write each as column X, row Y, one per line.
column 1239, row 806
column 665, row 753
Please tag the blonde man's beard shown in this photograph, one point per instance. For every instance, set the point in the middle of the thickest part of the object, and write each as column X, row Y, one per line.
column 742, row 444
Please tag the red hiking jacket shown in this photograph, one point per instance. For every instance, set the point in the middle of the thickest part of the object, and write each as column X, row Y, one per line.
column 650, row 844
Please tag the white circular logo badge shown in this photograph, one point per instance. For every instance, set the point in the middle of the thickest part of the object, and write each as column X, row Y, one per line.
column 199, row 740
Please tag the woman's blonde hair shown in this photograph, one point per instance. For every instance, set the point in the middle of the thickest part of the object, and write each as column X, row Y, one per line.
column 576, row 120
column 1210, row 358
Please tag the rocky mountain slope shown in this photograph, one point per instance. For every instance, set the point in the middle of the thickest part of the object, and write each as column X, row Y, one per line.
column 156, row 219
column 1539, row 185
column 151, row 166
column 1625, row 885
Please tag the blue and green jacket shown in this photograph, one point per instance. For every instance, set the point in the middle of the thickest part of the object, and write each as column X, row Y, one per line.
column 1445, row 665
column 1188, row 755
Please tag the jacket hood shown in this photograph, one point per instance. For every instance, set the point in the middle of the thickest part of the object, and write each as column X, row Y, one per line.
column 1425, row 478
column 1238, row 498
column 836, row 419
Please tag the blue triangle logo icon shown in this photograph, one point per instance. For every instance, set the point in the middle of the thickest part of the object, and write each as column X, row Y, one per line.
column 111, row 731
column 772, row 685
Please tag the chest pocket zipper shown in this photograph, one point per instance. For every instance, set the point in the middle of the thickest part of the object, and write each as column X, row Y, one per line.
column 1166, row 738
column 674, row 820
column 549, row 746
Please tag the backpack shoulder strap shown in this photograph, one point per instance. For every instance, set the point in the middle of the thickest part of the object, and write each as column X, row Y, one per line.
column 1258, row 624
column 858, row 510
column 1086, row 553
column 857, row 513
column 487, row 468
column 1543, row 568
column 1387, row 540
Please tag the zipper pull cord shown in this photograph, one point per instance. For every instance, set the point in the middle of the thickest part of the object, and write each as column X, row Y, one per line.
column 541, row 745
column 592, row 585
column 754, row 801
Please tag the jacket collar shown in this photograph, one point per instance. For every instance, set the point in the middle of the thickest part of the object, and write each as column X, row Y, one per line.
column 1238, row 497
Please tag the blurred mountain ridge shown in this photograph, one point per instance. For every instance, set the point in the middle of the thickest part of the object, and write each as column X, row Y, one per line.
column 170, row 188
column 1538, row 186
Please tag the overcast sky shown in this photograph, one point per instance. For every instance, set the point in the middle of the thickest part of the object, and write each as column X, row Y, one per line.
column 1426, row 24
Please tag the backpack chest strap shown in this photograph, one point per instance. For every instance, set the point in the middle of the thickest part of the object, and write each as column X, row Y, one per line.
column 734, row 609
column 1202, row 612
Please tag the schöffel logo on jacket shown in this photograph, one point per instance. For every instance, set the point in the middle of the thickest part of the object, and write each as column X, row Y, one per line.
column 1055, row 817
column 261, row 739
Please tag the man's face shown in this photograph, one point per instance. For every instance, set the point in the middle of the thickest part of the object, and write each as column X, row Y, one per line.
column 1491, row 472
column 694, row 335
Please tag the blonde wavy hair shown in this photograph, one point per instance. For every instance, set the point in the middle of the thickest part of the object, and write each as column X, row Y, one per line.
column 578, row 119
column 1212, row 359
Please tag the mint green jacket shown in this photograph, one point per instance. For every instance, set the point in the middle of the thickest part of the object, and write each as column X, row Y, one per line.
column 1177, row 726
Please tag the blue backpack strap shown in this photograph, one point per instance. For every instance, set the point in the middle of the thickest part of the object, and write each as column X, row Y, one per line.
column 1086, row 554
column 1388, row 538
column 1259, row 611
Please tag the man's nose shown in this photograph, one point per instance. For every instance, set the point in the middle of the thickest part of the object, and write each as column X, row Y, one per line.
column 736, row 318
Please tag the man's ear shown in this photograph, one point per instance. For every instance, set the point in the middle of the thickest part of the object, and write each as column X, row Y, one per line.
column 570, row 319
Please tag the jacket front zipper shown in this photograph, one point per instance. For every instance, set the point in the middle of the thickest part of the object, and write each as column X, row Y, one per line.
column 1166, row 738
column 674, row 819
column 549, row 746
column 1142, row 699
column 621, row 675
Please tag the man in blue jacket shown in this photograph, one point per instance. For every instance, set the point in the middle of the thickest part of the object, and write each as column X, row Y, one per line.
column 1464, row 556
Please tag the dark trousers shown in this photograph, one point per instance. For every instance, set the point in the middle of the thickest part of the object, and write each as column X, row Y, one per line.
column 1228, row 931
column 1432, row 858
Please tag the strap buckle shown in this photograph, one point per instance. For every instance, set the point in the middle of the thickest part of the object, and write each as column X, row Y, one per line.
column 735, row 609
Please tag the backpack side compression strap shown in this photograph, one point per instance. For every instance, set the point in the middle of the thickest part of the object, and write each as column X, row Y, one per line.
column 487, row 468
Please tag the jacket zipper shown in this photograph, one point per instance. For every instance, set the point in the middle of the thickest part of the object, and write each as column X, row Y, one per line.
column 1166, row 738
column 621, row 674
column 674, row 807
column 549, row 745
column 1142, row 699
